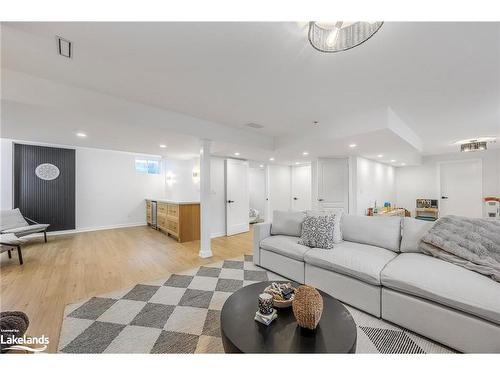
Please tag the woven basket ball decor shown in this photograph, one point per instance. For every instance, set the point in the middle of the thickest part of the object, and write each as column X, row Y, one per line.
column 307, row 307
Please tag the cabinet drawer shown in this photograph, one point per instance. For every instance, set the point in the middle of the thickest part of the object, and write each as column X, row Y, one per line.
column 162, row 222
column 173, row 210
column 173, row 226
column 161, row 207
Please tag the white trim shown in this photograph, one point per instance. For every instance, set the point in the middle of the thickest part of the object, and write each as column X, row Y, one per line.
column 89, row 229
column 218, row 234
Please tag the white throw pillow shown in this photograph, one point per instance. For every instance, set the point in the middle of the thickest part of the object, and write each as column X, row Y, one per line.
column 337, row 214
column 288, row 223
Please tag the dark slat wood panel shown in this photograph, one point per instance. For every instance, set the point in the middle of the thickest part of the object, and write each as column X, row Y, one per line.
column 51, row 202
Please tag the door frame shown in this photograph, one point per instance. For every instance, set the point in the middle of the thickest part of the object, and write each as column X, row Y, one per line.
column 292, row 181
column 447, row 162
column 315, row 181
column 226, row 161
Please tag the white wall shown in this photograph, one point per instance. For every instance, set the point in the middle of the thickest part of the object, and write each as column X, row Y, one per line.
column 6, row 193
column 374, row 182
column 257, row 189
column 279, row 188
column 109, row 192
column 180, row 185
column 422, row 181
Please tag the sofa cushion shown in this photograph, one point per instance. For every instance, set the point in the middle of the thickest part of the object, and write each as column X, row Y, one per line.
column 28, row 229
column 11, row 219
column 285, row 245
column 413, row 231
column 317, row 231
column 376, row 231
column 363, row 262
column 287, row 223
column 337, row 216
column 445, row 283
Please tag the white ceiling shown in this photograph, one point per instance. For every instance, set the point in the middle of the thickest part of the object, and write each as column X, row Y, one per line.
column 441, row 79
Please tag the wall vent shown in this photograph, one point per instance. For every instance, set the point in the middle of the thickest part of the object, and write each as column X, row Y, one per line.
column 64, row 47
column 254, row 125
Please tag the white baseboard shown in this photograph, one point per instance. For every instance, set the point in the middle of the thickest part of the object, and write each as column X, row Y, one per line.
column 105, row 227
column 88, row 229
column 218, row 234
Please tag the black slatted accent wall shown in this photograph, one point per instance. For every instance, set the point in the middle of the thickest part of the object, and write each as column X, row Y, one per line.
column 45, row 201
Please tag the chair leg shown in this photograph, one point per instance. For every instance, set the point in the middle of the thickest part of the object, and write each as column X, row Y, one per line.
column 20, row 254
column 45, row 235
column 10, row 254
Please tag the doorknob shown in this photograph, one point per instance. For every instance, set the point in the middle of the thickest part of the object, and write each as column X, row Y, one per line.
column 295, row 198
column 230, row 201
column 320, row 199
column 443, row 197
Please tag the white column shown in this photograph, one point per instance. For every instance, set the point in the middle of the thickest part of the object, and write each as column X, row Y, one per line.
column 205, row 245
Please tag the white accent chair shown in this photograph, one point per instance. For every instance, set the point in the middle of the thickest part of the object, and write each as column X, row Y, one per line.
column 13, row 222
column 9, row 242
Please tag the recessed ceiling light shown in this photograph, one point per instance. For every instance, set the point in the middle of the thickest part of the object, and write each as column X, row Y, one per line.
column 393, row 160
column 163, row 146
column 305, row 153
column 352, row 145
column 236, row 154
column 271, row 159
column 380, row 156
column 403, row 164
column 81, row 135
column 297, row 163
column 262, row 165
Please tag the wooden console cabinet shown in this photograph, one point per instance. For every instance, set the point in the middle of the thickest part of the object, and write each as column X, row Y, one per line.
column 177, row 219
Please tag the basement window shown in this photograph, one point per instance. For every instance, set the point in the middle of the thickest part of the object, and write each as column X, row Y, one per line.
column 147, row 166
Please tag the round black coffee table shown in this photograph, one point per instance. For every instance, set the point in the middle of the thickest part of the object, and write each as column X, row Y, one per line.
column 336, row 331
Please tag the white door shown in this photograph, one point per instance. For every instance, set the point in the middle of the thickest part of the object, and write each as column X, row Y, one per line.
column 301, row 188
column 461, row 188
column 333, row 184
column 258, row 190
column 237, row 197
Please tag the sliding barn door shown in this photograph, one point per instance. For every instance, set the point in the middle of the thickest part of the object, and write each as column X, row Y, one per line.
column 237, row 197
column 44, row 185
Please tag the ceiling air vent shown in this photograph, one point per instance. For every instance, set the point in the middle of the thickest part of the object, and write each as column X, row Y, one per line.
column 64, row 47
column 254, row 125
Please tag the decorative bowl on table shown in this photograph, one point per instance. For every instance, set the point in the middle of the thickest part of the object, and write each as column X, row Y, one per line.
column 283, row 294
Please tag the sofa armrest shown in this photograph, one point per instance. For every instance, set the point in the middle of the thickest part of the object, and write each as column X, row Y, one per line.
column 260, row 231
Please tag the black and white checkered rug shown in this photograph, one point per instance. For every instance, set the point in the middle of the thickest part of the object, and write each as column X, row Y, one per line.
column 180, row 314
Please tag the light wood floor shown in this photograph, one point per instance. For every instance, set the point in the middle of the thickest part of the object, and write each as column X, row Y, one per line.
column 73, row 267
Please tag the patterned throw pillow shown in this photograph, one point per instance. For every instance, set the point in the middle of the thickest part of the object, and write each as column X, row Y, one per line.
column 317, row 231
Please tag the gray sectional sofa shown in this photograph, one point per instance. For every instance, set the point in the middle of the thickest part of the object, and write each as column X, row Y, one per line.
column 379, row 269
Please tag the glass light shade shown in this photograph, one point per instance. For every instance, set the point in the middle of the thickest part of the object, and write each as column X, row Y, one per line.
column 473, row 146
column 340, row 36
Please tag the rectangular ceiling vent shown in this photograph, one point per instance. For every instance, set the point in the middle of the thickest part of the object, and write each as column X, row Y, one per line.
column 64, row 47
column 254, row 125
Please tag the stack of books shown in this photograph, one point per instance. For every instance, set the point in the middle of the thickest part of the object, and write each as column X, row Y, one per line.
column 265, row 319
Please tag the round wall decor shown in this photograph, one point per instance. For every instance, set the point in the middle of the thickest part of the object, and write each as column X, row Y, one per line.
column 47, row 171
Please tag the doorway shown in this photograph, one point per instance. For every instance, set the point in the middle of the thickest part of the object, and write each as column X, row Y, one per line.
column 461, row 188
column 258, row 193
column 237, row 196
column 301, row 188
column 333, row 184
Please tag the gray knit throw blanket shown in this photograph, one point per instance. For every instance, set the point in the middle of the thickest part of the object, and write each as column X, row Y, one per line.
column 470, row 243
